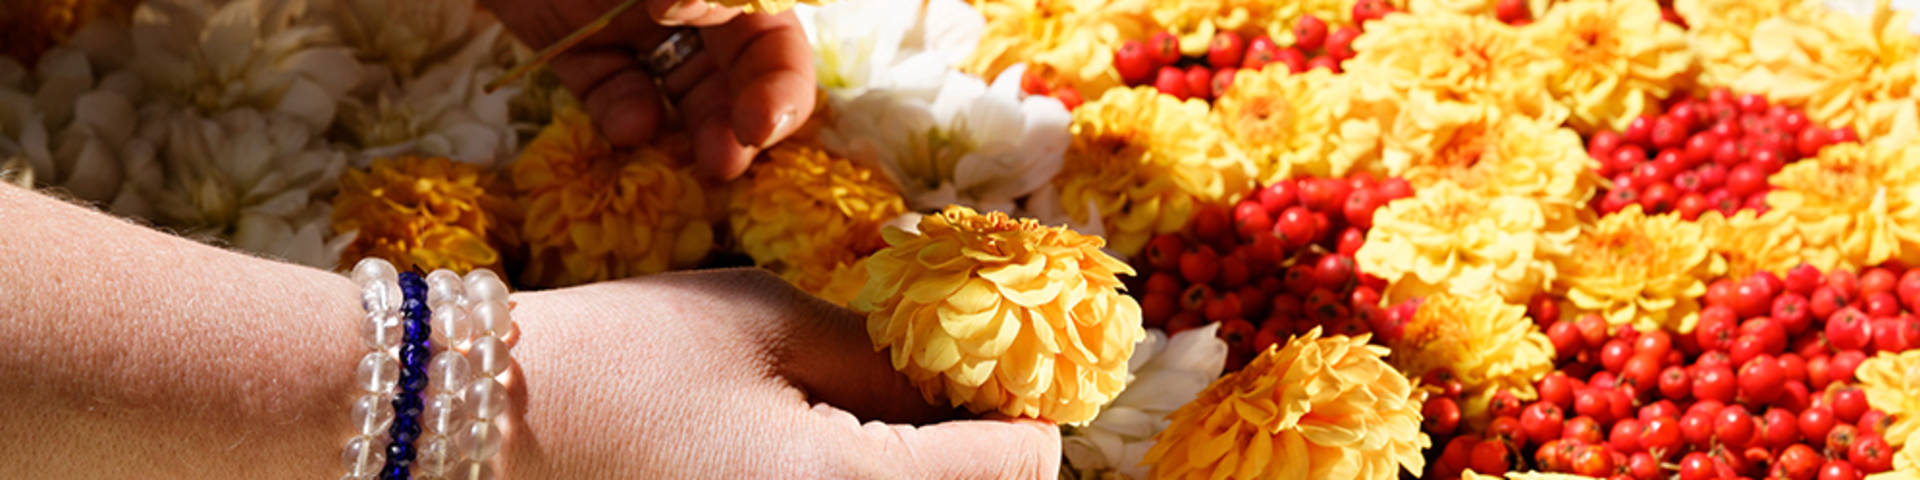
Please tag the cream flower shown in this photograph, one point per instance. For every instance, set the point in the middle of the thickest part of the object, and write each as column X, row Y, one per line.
column 1889, row 380
column 1487, row 150
column 269, row 55
column 1167, row 373
column 1457, row 58
column 1862, row 72
column 863, row 44
column 1316, row 123
column 73, row 124
column 402, row 39
column 1750, row 243
column 1647, row 271
column 1855, row 205
column 1718, row 32
column 1620, row 59
column 1487, row 343
column 445, row 111
column 1448, row 239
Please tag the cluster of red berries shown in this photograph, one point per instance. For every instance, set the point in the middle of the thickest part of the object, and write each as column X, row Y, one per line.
column 1761, row 388
column 1158, row 62
column 1033, row 83
column 1278, row 263
column 1713, row 153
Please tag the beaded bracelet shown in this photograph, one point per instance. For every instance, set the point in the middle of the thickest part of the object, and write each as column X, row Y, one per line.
column 413, row 378
column 379, row 370
column 489, row 325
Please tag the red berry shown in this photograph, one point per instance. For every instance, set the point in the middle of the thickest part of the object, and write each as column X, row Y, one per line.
column 1557, row 389
column 1790, row 310
column 1489, row 457
column 1295, row 61
column 1614, row 354
column 1733, row 426
column 1729, row 153
column 1171, row 81
column 1603, row 143
column 1279, row 195
column 1625, row 435
column 1157, row 308
column 1667, row 132
column 1351, row 240
column 1691, row 205
column 1163, row 252
column 1368, row 10
column 1768, row 160
column 1582, row 429
column 1393, row 188
column 1068, row 96
column 1324, row 62
column 1661, row 433
column 1223, row 308
column 1798, row 462
column 1809, row 142
column 1849, row 329
column 1849, row 403
column 1295, row 226
column 1440, row 416
column 1779, row 428
column 1340, row 42
column 1837, row 469
column 1509, row 11
column 1359, row 208
column 1541, row 421
column 1642, row 466
column 1752, row 103
column 1640, row 131
column 1714, row 383
column 1674, row 383
column 1592, row 461
column 1325, row 195
column 1163, row 48
column 1134, row 62
column 1199, row 82
column 1697, row 466
column 1199, row 266
column 1712, row 176
column 1746, row 179
column 1697, row 427
column 1334, row 272
column 1260, row 52
column 1842, row 135
column 1227, row 50
column 1309, row 32
column 1222, row 80
column 1593, row 402
column 1875, row 421
column 1802, row 279
column 1660, row 198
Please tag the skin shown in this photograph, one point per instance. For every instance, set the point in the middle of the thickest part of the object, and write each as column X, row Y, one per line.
column 130, row 350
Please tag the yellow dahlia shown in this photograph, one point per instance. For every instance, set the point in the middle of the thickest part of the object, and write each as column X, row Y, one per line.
column 1487, row 150
column 1855, row 205
column 1068, row 41
column 425, row 213
column 1317, row 408
column 1452, row 57
column 1647, row 271
column 1718, row 31
column 1316, row 123
column 1890, row 380
column 1844, row 70
column 808, row 215
column 1449, row 239
column 1487, row 343
column 1002, row 315
column 593, row 213
column 1141, row 161
column 1620, row 58
column 1748, row 243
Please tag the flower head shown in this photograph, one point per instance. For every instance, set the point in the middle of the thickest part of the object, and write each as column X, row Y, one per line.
column 1315, row 123
column 1647, row 271
column 1450, row 57
column 401, row 39
column 1487, row 343
column 1002, row 315
column 1167, row 373
column 1718, row 32
column 1449, row 239
column 907, row 46
column 1141, row 162
column 1856, row 205
column 1317, row 408
column 425, row 213
column 809, row 216
column 269, row 55
column 1619, row 59
column 1069, row 41
column 593, row 213
column 1487, row 150
column 1750, row 243
column 1889, row 380
column 1845, row 71
column 443, row 111
column 74, row 124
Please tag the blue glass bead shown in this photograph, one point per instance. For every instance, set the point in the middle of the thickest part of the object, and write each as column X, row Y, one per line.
column 417, row 332
column 414, row 356
column 395, row 472
column 412, row 384
column 407, row 407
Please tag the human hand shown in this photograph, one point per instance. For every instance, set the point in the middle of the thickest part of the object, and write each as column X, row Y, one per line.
column 750, row 86
column 732, row 374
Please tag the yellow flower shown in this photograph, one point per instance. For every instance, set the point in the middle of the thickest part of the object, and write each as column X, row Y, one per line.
column 808, row 215
column 596, row 214
column 1068, row 41
column 1842, row 69
column 1317, row 408
column 1140, row 163
column 1489, row 151
column 1856, row 205
column 771, row 7
column 1002, row 315
column 1485, row 8
column 425, row 213
column 1638, row 269
column 1718, row 31
column 1316, row 123
column 1620, row 58
column 1890, row 380
column 1749, row 243
column 1488, row 344
column 1448, row 239
column 1196, row 22
column 1450, row 57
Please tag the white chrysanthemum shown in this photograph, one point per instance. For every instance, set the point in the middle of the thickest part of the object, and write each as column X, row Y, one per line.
column 403, row 39
column 71, row 124
column 444, row 112
column 863, row 44
column 974, row 144
column 256, row 181
column 268, row 55
column 1167, row 373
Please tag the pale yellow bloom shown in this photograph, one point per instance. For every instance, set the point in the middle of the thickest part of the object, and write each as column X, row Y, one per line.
column 1069, row 41
column 1489, row 151
column 1449, row 239
column 1002, row 315
column 1488, row 344
column 1844, row 70
column 1450, row 57
column 1749, row 243
column 1718, row 32
column 1316, row 123
column 1619, row 59
column 1855, row 205
column 1647, row 271
column 1890, row 381
column 1317, row 408
column 809, row 216
column 425, row 213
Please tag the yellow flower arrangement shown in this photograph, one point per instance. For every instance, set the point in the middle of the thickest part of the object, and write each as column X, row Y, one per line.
column 1647, row 271
column 1141, row 162
column 1890, row 380
column 1489, row 151
column 425, row 213
column 809, row 216
column 1451, row 57
column 1068, row 41
column 1317, row 408
column 1196, row 22
column 1749, row 243
column 1855, row 205
column 1315, row 123
column 1002, row 315
column 1619, row 59
column 1449, row 239
column 1488, row 344
column 593, row 213
column 1718, row 32
column 1842, row 69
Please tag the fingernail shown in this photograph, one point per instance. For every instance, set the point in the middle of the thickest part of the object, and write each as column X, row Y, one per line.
column 780, row 123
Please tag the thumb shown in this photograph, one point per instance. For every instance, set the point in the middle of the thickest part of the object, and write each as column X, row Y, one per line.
column 1021, row 448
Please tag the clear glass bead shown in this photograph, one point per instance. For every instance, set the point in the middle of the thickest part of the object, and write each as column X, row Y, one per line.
column 481, row 441
column 484, row 286
column 433, row 455
column 364, row 455
column 485, row 398
column 488, row 356
column 356, row 477
column 442, row 412
column 374, row 269
column 381, row 296
column 378, row 373
column 471, row 470
column 444, row 287
column 382, row 330
column 372, row 413
column 492, row 318
column 452, row 326
column 448, row 372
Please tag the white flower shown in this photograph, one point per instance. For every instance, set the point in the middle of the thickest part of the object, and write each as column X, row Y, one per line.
column 863, row 44
column 974, row 144
column 1166, row 374
column 72, row 125
column 444, row 112
column 404, row 38
column 269, row 55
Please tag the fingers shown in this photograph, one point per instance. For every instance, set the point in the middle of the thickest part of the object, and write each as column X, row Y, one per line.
column 770, row 69
column 691, row 13
column 965, row 449
column 620, row 97
column 716, row 153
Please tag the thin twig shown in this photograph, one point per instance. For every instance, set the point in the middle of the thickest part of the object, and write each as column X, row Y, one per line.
column 546, row 54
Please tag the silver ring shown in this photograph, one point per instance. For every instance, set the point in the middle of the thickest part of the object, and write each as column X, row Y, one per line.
column 669, row 54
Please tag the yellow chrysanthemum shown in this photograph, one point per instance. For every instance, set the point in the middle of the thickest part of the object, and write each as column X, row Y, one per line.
column 1890, row 380
column 1316, row 123
column 593, row 213
column 1718, row 31
column 1068, row 41
column 1448, row 239
column 1002, row 315
column 1855, row 205
column 772, row 7
column 1489, row 151
column 1619, row 59
column 1450, row 57
column 809, row 215
column 1141, row 161
column 1196, row 22
column 1642, row 270
column 1487, row 343
column 1844, row 70
column 425, row 213
column 1749, row 243
column 1317, row 408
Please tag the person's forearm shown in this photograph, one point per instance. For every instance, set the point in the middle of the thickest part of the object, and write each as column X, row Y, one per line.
column 128, row 353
